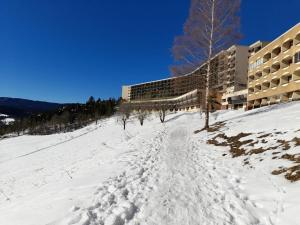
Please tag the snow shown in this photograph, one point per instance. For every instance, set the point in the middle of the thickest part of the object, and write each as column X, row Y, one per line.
column 8, row 120
column 5, row 119
column 155, row 174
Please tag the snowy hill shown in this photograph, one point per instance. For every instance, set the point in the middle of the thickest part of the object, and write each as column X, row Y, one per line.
column 158, row 173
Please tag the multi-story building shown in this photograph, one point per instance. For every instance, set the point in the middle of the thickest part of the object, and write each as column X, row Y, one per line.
column 274, row 70
column 256, row 47
column 229, row 73
column 178, row 92
column 232, row 76
column 236, row 71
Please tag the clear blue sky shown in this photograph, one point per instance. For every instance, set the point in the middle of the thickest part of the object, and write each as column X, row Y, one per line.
column 67, row 50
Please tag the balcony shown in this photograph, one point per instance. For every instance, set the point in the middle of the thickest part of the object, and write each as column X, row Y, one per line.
column 287, row 45
column 286, row 97
column 286, row 79
column 251, row 78
column 275, row 67
column 250, row 104
column 264, row 102
column 257, row 88
column 296, row 75
column 276, row 52
column 267, row 57
column 266, row 71
column 275, row 82
column 265, row 85
column 251, row 90
column 297, row 39
column 286, row 62
column 274, row 99
column 258, row 75
column 296, row 95
column 257, row 103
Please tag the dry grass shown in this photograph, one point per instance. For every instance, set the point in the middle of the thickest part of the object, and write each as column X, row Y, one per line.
column 237, row 148
column 292, row 173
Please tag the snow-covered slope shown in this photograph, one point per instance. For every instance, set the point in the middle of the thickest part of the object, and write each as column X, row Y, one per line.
column 155, row 174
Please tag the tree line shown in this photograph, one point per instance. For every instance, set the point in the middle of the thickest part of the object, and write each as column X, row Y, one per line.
column 67, row 118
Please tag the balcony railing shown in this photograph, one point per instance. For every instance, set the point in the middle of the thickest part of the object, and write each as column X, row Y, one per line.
column 287, row 45
column 297, row 39
column 286, row 79
column 276, row 52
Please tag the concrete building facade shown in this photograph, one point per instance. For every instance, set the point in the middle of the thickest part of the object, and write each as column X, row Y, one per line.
column 274, row 70
column 235, row 100
column 229, row 72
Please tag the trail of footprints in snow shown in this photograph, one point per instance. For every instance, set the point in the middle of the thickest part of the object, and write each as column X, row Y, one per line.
column 233, row 200
column 120, row 198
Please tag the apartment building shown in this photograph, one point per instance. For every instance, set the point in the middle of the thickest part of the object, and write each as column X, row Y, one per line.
column 274, row 70
column 182, row 92
column 232, row 76
column 229, row 73
column 165, row 88
column 235, row 72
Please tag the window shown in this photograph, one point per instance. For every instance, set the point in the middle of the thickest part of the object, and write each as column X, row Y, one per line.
column 297, row 57
column 256, row 64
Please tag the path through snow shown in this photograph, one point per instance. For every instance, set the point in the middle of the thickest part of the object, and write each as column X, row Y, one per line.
column 175, row 179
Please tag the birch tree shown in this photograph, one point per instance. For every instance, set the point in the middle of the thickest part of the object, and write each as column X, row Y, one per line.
column 212, row 26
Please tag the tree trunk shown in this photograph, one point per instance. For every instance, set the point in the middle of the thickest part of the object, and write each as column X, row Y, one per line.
column 209, row 65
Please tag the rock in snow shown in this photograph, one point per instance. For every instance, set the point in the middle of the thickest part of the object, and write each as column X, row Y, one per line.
column 158, row 174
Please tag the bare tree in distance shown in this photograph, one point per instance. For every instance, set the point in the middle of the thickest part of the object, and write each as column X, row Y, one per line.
column 162, row 109
column 212, row 26
column 142, row 115
column 124, row 114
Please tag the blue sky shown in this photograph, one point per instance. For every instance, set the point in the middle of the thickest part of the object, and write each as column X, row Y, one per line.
column 67, row 50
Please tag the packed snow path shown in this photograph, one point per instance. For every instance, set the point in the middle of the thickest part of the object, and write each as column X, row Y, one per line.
column 175, row 180
column 193, row 189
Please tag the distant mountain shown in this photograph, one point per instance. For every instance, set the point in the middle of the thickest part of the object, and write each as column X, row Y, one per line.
column 17, row 107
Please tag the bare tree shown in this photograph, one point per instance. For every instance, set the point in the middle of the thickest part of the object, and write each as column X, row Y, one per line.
column 142, row 115
column 124, row 113
column 212, row 26
column 162, row 109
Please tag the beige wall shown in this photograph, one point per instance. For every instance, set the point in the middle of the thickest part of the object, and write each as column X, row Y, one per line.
column 125, row 92
column 242, row 54
column 274, row 83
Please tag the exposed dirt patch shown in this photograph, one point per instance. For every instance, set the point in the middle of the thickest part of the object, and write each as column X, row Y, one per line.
column 236, row 145
column 265, row 135
column 213, row 128
column 297, row 141
column 291, row 173
column 284, row 144
column 216, row 127
column 240, row 147
column 294, row 158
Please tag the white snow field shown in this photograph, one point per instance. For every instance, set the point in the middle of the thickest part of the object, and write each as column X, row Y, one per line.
column 158, row 174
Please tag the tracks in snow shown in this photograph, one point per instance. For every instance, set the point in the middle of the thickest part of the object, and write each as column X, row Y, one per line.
column 194, row 189
column 172, row 179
